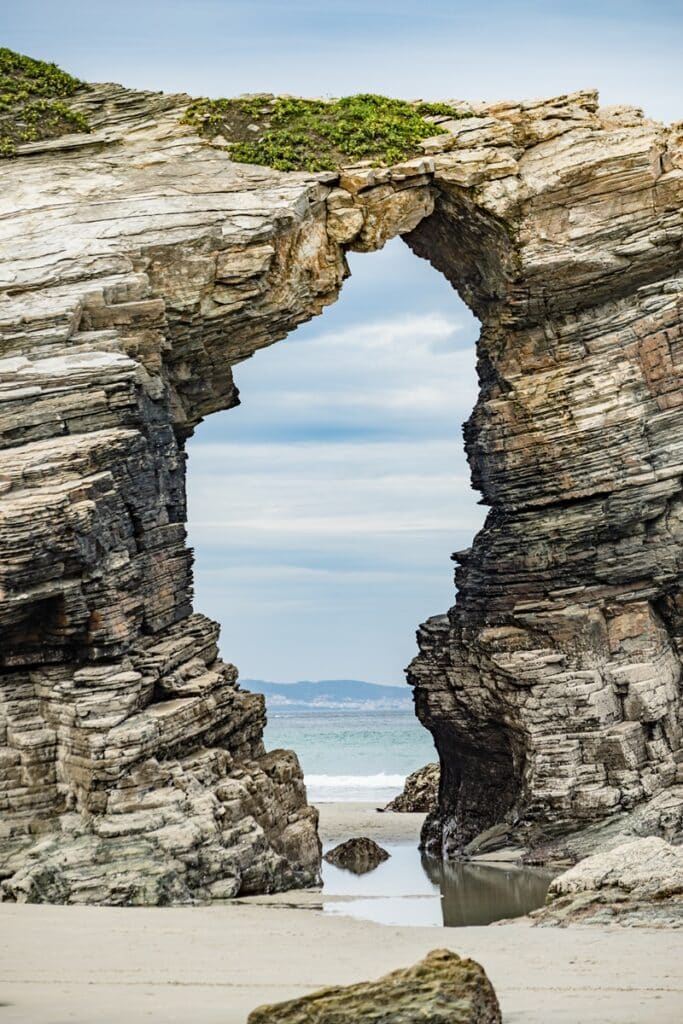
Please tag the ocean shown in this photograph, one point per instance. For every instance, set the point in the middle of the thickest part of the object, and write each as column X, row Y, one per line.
column 352, row 755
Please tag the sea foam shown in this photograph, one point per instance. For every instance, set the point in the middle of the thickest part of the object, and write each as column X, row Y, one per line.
column 379, row 787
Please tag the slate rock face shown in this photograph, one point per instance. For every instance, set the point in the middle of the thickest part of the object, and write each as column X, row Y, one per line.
column 441, row 989
column 138, row 266
column 358, row 855
column 635, row 884
column 420, row 792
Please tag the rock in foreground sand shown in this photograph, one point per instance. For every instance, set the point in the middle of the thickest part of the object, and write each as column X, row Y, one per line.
column 441, row 989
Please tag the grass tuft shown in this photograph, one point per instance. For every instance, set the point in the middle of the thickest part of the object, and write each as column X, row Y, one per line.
column 31, row 102
column 315, row 135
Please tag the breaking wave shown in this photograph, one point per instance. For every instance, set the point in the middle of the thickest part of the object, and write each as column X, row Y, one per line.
column 354, row 787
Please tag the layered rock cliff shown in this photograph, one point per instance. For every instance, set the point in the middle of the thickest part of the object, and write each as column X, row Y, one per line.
column 553, row 687
column 138, row 266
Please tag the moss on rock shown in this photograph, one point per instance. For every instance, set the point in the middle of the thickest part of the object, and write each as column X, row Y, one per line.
column 32, row 107
column 317, row 135
column 441, row 989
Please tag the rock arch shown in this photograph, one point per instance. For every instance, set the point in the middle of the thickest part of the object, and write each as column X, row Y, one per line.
column 138, row 266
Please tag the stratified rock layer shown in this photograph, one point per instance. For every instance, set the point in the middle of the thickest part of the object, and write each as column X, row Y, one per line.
column 137, row 266
column 552, row 688
column 441, row 989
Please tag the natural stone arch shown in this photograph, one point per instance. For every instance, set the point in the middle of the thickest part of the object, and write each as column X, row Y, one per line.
column 139, row 265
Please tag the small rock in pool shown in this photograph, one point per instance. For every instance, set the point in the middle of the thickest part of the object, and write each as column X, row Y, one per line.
column 357, row 855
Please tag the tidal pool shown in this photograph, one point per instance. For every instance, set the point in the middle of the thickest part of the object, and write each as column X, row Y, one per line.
column 413, row 889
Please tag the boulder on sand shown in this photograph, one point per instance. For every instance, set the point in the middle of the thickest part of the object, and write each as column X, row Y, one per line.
column 441, row 989
column 358, row 855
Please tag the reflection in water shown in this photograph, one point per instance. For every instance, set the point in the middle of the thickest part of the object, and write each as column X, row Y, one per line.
column 414, row 889
column 401, row 875
column 473, row 894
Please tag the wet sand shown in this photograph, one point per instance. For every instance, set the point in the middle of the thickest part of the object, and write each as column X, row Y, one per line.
column 339, row 821
column 213, row 964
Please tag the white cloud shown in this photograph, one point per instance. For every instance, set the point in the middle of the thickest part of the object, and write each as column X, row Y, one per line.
column 416, row 331
column 332, row 489
column 378, row 375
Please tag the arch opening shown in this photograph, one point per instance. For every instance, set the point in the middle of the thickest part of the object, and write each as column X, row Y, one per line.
column 324, row 509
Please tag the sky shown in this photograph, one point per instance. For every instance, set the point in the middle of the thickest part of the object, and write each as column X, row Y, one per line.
column 440, row 49
column 324, row 509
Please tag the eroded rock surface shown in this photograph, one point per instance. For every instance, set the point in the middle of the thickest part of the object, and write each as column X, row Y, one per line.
column 552, row 688
column 420, row 792
column 635, row 884
column 441, row 988
column 358, row 855
column 138, row 265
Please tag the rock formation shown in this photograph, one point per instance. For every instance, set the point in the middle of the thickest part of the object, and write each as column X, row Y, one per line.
column 636, row 884
column 358, row 855
column 441, row 989
column 553, row 687
column 420, row 793
column 138, row 266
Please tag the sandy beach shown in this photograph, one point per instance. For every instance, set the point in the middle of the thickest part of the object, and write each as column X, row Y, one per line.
column 214, row 964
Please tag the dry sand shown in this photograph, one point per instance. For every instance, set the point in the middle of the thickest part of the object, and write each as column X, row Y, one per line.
column 200, row 965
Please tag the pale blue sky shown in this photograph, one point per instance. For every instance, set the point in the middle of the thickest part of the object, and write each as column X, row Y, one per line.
column 325, row 508
column 630, row 50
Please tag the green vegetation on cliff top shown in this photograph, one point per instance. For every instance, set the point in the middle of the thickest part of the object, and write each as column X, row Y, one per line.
column 278, row 131
column 31, row 101
column 317, row 135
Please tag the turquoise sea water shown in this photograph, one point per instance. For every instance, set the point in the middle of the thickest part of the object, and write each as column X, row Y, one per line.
column 352, row 755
